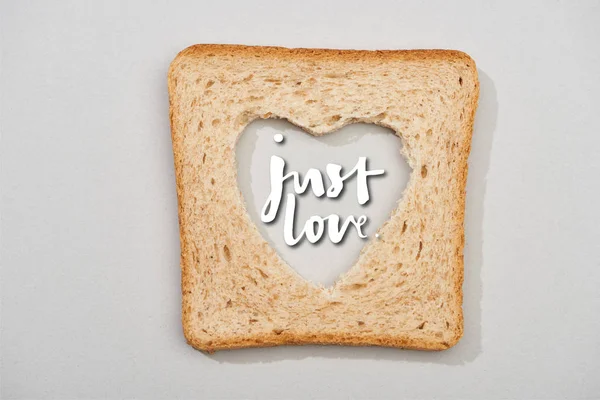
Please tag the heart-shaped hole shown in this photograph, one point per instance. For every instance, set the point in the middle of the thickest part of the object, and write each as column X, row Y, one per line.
column 322, row 262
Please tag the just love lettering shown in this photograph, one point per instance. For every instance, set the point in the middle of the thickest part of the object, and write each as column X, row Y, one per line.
column 316, row 226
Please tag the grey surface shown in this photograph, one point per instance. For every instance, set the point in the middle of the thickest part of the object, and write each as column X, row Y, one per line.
column 90, row 276
column 322, row 262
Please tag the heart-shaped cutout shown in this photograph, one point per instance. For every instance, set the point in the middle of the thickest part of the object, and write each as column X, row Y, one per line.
column 322, row 262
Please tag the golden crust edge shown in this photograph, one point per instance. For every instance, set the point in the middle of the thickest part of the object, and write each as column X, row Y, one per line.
column 405, row 341
column 198, row 50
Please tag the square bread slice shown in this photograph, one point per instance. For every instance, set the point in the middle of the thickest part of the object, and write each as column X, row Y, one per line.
column 405, row 289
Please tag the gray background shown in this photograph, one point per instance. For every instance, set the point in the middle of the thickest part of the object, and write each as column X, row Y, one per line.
column 301, row 152
column 90, row 276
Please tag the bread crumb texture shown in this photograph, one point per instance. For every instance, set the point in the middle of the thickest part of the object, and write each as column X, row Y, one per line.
column 405, row 290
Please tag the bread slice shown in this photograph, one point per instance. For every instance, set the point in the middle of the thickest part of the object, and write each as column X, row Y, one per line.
column 405, row 290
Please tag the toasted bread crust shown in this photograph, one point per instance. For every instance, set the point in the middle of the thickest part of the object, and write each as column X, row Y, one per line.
column 198, row 274
column 271, row 340
column 202, row 50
